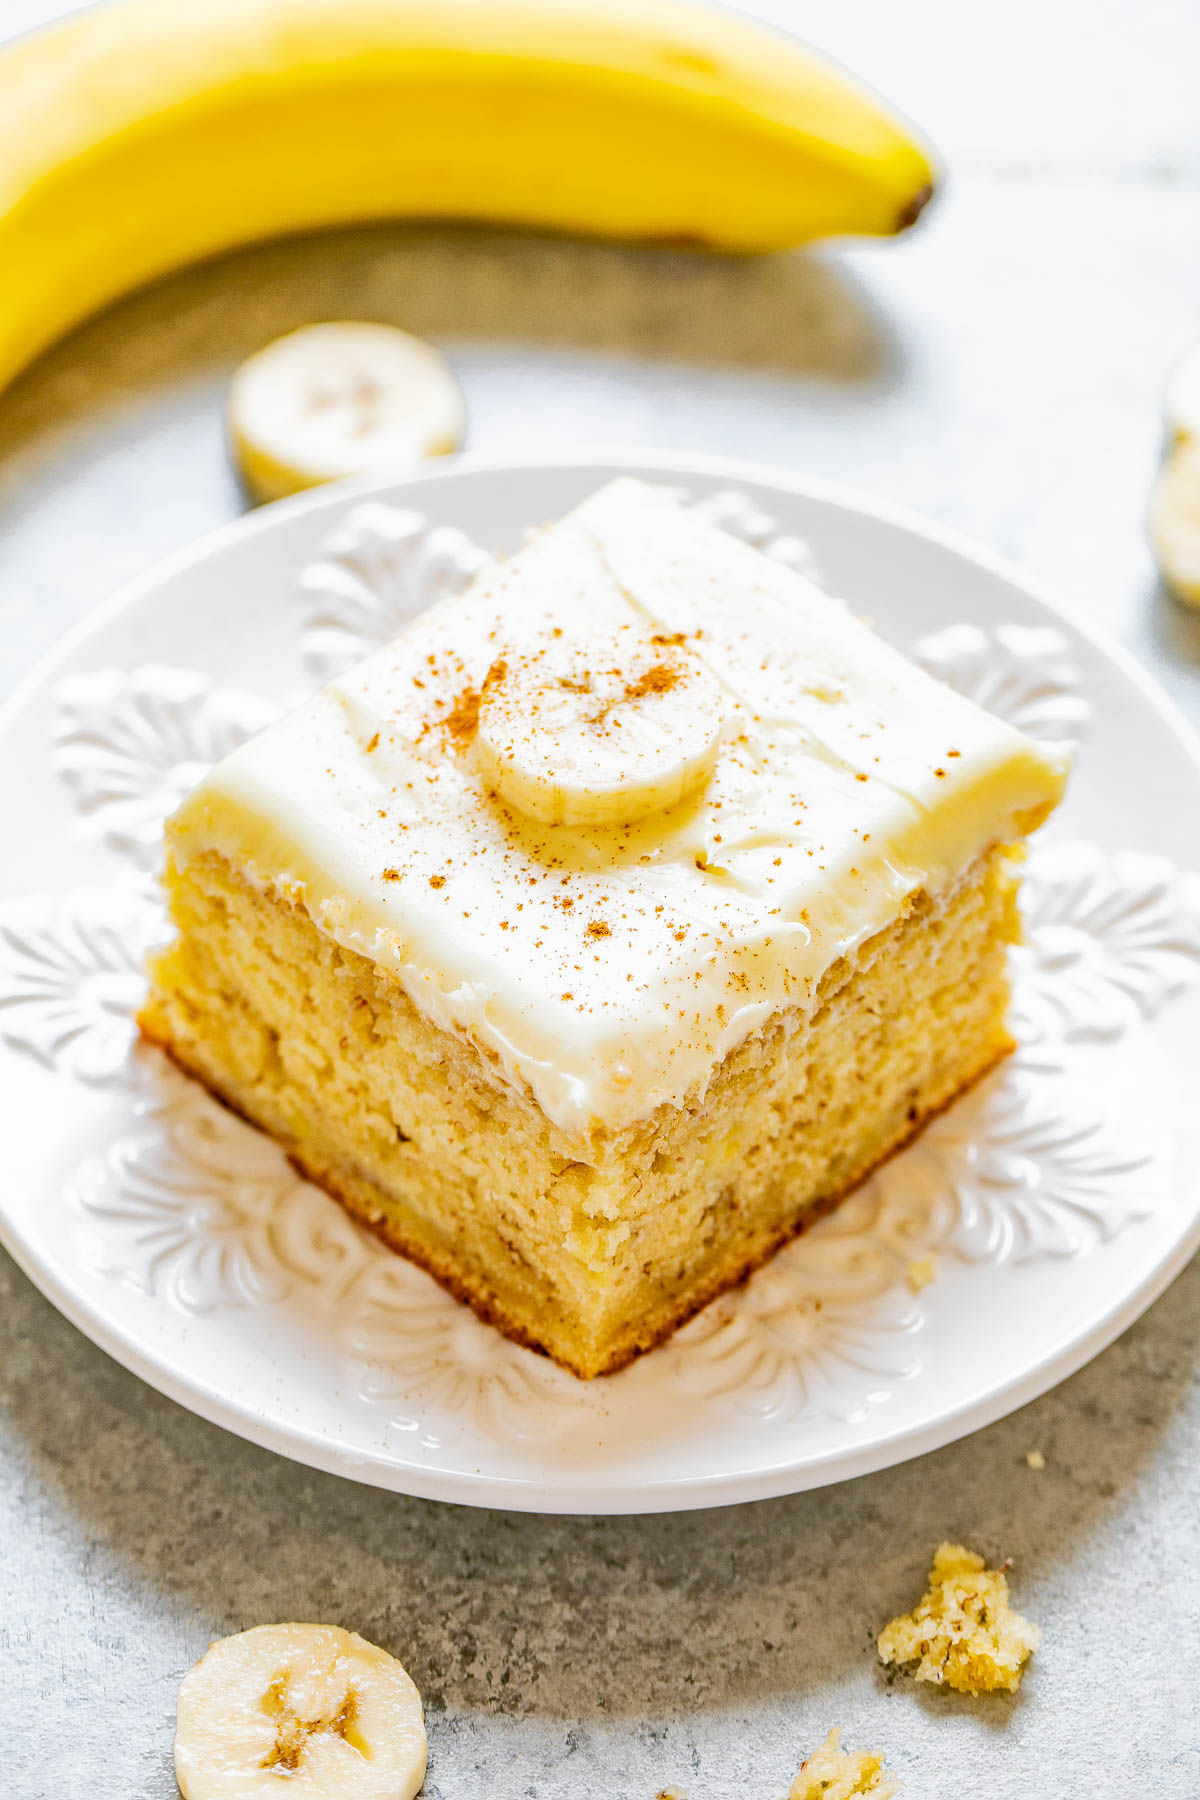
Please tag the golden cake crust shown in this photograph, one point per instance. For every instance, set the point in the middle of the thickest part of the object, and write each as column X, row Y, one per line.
column 473, row 1292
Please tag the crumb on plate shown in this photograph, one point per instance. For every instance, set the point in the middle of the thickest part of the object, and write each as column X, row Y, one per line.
column 921, row 1271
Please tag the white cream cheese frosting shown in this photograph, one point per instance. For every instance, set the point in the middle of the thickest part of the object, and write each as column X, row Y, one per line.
column 605, row 969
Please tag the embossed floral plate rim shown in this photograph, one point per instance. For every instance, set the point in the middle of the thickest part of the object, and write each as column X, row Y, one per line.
column 476, row 1476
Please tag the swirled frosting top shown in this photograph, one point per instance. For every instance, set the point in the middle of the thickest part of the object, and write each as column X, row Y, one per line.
column 606, row 968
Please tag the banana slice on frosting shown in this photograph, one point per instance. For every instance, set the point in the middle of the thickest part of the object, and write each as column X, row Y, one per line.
column 340, row 399
column 602, row 730
column 298, row 1710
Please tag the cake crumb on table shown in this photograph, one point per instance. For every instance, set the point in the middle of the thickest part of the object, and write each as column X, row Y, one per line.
column 832, row 1773
column 963, row 1633
column 1035, row 1459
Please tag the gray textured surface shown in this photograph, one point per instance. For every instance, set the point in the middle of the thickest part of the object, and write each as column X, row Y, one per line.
column 1000, row 370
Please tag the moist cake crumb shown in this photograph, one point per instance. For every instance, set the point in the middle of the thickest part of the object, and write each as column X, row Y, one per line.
column 963, row 1634
column 832, row 1773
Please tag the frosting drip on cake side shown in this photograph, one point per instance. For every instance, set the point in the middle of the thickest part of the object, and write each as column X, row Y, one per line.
column 607, row 969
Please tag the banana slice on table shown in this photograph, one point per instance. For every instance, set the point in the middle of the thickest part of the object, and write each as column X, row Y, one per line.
column 1175, row 520
column 294, row 1710
column 598, row 731
column 340, row 399
column 1183, row 397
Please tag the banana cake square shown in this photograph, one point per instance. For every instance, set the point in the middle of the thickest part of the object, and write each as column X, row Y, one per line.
column 607, row 927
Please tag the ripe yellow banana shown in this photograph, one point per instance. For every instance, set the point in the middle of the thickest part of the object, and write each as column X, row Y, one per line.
column 139, row 135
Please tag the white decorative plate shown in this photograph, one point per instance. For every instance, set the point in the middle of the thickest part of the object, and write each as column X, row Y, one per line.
column 1051, row 1205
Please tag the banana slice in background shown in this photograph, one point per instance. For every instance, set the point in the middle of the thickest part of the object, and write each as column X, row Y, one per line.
column 1182, row 406
column 340, row 399
column 298, row 1710
column 602, row 730
column 1175, row 520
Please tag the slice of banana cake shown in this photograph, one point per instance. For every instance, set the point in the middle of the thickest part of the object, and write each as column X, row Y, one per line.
column 607, row 927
